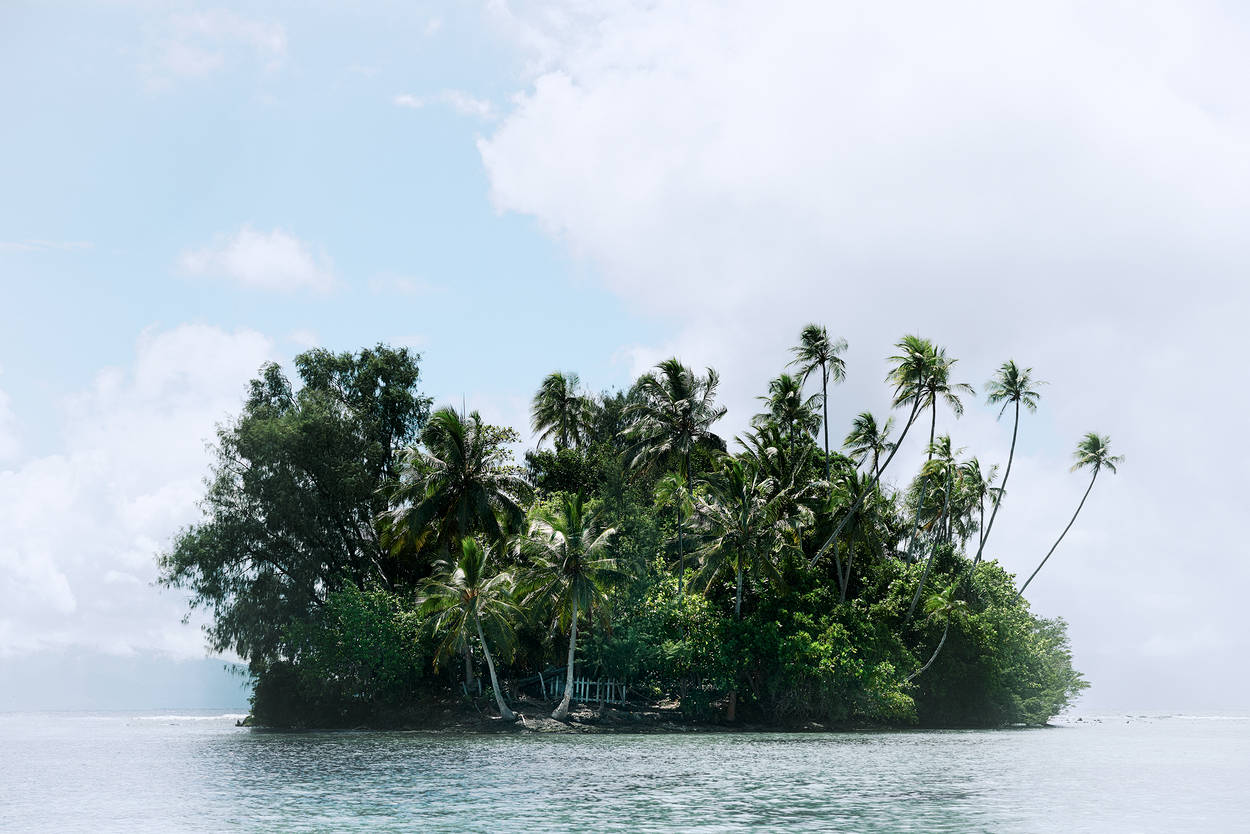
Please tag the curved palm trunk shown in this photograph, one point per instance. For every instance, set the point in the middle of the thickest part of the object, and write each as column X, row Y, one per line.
column 1001, row 489
column 824, row 402
column 940, row 644
column 504, row 713
column 932, row 427
column 915, row 410
column 562, row 711
column 932, row 553
column 1020, row 593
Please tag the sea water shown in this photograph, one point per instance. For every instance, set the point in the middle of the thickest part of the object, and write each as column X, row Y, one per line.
column 167, row 772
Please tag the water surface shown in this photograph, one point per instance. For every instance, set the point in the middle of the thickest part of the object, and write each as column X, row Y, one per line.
column 198, row 772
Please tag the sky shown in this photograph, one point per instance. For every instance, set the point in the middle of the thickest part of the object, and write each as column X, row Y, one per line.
column 514, row 187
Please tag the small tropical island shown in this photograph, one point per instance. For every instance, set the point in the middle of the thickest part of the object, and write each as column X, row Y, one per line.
column 379, row 563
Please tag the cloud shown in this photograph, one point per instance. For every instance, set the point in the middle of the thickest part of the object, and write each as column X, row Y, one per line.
column 273, row 261
column 1052, row 182
column 198, row 44
column 79, row 529
column 463, row 103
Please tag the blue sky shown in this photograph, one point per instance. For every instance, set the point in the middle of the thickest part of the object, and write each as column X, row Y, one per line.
column 513, row 186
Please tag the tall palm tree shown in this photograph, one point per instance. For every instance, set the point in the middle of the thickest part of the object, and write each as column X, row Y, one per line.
column 850, row 489
column 464, row 597
column 941, row 468
column 1093, row 453
column 1010, row 385
column 671, row 417
column 975, row 486
column 816, row 350
column 742, row 529
column 561, row 412
column 570, row 568
column 943, row 606
column 910, row 372
column 795, row 416
column 457, row 486
column 867, row 438
column 937, row 385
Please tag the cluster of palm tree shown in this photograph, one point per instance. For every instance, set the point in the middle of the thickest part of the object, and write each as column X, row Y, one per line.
column 783, row 498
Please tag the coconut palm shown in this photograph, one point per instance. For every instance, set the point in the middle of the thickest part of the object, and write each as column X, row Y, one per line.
column 458, row 485
column 786, row 408
column 940, row 467
column 868, row 439
column 937, row 385
column 1093, row 453
column 742, row 529
column 975, row 486
column 560, row 412
column 570, row 568
column 942, row 606
column 912, row 366
column 1010, row 386
column 849, row 490
column 671, row 417
column 464, row 597
column 816, row 350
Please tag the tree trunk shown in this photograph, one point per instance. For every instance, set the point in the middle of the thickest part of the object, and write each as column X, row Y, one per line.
column 932, row 553
column 562, row 711
column 932, row 427
column 940, row 644
column 504, row 713
column 824, row 401
column 876, row 479
column 731, row 712
column 681, row 544
column 1020, row 593
column 470, row 678
column 850, row 560
column 1002, row 488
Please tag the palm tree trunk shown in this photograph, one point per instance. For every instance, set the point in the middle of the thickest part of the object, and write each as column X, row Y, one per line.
column 1002, row 487
column 932, row 428
column 469, row 677
column 915, row 410
column 824, row 401
column 504, row 713
column 940, row 644
column 837, row 564
column 850, row 560
column 732, row 711
column 1020, row 593
column 562, row 711
column 932, row 553
column 681, row 544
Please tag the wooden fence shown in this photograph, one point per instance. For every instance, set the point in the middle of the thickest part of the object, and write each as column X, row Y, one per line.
column 584, row 691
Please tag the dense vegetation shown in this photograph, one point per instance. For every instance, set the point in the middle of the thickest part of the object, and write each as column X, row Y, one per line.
column 368, row 557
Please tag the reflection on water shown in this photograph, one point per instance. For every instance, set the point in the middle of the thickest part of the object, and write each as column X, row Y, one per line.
column 141, row 773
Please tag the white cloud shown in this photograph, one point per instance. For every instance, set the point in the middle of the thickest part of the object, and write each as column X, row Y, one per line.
column 463, row 103
column 199, row 44
column 1062, row 183
column 274, row 260
column 80, row 529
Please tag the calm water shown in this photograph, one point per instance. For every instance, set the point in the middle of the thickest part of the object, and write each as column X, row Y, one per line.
column 164, row 773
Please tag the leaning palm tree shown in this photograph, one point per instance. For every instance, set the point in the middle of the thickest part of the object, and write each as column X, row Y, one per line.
column 1094, row 453
column 570, row 568
column 672, row 415
column 742, row 529
column 942, row 606
column 1010, row 385
column 868, row 439
column 560, row 412
column 816, row 350
column 458, row 485
column 913, row 365
column 464, row 597
column 975, row 486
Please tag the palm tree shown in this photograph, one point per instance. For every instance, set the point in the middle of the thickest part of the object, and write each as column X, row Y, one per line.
column 570, row 567
column 937, row 384
column 561, row 412
column 464, row 597
column 1094, row 453
column 742, row 529
column 673, row 416
column 850, row 489
column 459, row 485
column 1010, row 385
column 787, row 409
column 943, row 606
column 912, row 366
column 867, row 438
column 944, row 468
column 975, row 486
column 816, row 350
